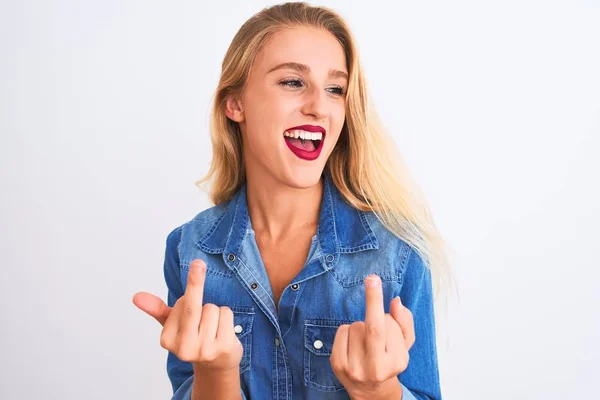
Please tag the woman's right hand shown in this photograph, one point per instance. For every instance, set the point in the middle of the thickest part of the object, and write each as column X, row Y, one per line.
column 202, row 335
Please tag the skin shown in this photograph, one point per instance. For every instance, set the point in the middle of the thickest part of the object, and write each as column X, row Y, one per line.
column 284, row 191
column 367, row 356
column 284, row 195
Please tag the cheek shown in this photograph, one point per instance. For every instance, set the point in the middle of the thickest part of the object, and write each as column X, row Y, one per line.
column 270, row 113
column 338, row 116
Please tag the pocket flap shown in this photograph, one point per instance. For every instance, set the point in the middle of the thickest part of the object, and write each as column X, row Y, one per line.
column 319, row 335
column 244, row 317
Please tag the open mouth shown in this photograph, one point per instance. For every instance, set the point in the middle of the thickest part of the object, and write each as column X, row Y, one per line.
column 305, row 141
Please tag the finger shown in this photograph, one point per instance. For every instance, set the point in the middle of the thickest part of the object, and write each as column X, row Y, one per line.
column 209, row 323
column 356, row 350
column 394, row 339
column 152, row 306
column 225, row 328
column 339, row 351
column 192, row 299
column 404, row 318
column 170, row 330
column 375, row 316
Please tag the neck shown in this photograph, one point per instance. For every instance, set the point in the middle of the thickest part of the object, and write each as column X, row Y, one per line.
column 277, row 210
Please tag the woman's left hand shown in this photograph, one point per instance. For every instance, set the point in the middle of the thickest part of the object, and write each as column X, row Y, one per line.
column 367, row 356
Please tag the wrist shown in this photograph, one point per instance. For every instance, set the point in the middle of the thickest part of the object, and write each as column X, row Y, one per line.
column 200, row 370
column 389, row 390
column 217, row 384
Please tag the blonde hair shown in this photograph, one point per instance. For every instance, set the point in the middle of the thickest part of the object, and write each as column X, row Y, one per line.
column 365, row 164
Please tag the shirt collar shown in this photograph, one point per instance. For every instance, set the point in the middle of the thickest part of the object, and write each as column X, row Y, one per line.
column 342, row 228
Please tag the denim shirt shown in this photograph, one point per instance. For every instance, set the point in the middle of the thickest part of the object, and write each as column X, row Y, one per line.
column 281, row 360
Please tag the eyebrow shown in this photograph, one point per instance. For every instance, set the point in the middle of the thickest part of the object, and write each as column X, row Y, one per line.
column 333, row 73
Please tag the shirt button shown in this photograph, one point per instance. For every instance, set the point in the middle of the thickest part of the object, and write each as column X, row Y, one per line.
column 318, row 344
column 277, row 341
column 295, row 286
column 254, row 285
column 231, row 257
column 238, row 329
column 329, row 258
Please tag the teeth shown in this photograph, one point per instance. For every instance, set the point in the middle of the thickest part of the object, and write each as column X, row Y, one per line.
column 297, row 133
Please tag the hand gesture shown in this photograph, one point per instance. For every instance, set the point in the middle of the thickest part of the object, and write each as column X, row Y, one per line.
column 202, row 335
column 367, row 356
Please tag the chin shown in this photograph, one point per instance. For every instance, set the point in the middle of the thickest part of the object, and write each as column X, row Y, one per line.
column 303, row 178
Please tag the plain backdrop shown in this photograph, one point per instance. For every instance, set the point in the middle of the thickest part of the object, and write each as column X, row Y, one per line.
column 104, row 130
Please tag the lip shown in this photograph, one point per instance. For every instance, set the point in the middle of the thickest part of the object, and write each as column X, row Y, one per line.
column 303, row 154
column 309, row 128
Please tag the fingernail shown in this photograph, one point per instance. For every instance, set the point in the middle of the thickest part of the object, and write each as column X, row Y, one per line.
column 198, row 267
column 373, row 281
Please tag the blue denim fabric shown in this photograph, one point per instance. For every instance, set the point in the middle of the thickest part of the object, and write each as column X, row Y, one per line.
column 280, row 360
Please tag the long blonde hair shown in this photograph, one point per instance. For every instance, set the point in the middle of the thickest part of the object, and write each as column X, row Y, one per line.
column 365, row 164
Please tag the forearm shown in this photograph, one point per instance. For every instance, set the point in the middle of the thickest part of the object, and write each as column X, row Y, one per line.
column 216, row 385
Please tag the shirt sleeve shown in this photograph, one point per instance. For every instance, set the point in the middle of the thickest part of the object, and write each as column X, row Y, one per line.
column 180, row 373
column 420, row 380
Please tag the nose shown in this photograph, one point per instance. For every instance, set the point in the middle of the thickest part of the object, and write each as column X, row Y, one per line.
column 315, row 103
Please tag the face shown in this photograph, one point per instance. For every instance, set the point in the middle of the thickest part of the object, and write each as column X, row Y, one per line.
column 294, row 96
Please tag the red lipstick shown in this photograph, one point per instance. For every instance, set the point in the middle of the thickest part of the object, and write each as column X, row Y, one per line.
column 304, row 154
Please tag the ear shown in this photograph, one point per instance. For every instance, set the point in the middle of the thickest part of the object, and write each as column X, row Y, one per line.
column 234, row 110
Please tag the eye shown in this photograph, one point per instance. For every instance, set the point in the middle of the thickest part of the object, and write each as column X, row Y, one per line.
column 337, row 90
column 292, row 83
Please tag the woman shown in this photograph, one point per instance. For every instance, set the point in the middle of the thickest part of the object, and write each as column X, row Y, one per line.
column 304, row 279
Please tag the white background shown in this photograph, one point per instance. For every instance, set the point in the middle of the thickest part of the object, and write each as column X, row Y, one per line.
column 103, row 122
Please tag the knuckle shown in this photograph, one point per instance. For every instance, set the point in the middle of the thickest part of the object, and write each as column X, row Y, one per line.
column 337, row 366
column 391, row 325
column 182, row 349
column 188, row 310
column 236, row 348
column 210, row 308
column 371, row 380
column 342, row 330
column 185, row 354
column 225, row 311
column 353, row 375
column 379, row 376
column 375, row 378
column 357, row 327
column 374, row 330
column 237, row 345
column 404, row 362
column 208, row 355
column 164, row 341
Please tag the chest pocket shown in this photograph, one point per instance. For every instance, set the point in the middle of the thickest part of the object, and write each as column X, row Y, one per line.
column 243, row 318
column 318, row 342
